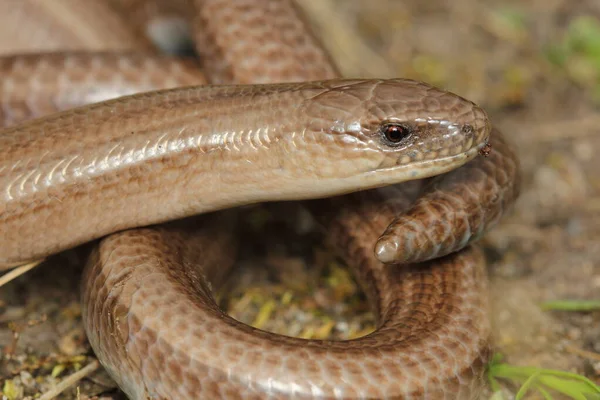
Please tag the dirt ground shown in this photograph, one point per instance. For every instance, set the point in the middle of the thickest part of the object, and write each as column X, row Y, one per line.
column 535, row 67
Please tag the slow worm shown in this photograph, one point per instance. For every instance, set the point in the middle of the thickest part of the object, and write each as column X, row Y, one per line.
column 145, row 159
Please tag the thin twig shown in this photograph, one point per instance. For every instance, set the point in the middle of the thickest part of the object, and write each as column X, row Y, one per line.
column 582, row 353
column 15, row 273
column 70, row 381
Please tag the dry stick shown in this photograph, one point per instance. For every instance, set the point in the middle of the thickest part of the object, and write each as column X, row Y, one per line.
column 70, row 381
column 15, row 273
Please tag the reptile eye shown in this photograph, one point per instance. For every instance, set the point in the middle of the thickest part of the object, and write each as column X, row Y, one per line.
column 394, row 133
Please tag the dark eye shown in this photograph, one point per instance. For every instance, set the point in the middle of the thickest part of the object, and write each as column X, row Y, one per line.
column 394, row 133
column 468, row 129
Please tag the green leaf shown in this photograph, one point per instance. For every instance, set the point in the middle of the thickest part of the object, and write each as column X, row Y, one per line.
column 573, row 385
column 572, row 305
column 526, row 385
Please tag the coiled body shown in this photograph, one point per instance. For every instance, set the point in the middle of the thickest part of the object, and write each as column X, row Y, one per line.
column 148, row 305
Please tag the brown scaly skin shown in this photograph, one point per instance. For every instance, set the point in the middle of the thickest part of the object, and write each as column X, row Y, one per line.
column 39, row 84
column 402, row 297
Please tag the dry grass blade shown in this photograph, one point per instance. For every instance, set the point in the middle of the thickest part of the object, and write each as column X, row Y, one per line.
column 344, row 42
column 18, row 271
column 70, row 380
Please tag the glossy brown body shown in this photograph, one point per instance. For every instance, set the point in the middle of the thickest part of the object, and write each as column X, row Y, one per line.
column 148, row 307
